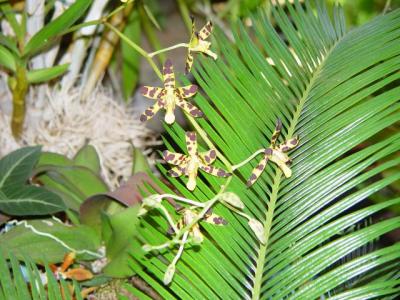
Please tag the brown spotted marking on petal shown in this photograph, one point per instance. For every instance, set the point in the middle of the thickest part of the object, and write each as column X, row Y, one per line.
column 168, row 69
column 251, row 180
column 143, row 90
column 268, row 151
column 192, row 136
column 187, row 91
column 189, row 62
column 197, row 113
column 276, row 133
column 205, row 31
column 222, row 173
column 260, row 167
column 213, row 154
column 149, row 112
column 143, row 118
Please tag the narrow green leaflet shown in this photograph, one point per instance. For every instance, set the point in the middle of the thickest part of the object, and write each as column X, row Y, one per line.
column 46, row 74
column 7, row 59
column 56, row 27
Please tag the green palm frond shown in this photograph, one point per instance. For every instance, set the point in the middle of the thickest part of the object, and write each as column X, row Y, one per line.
column 22, row 280
column 338, row 90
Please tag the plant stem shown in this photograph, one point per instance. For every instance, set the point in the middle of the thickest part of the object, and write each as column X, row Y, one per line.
column 136, row 47
column 170, row 220
column 19, row 87
column 241, row 164
column 182, row 199
column 181, row 45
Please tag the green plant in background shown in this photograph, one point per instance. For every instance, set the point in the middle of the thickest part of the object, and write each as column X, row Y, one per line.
column 100, row 228
column 17, row 51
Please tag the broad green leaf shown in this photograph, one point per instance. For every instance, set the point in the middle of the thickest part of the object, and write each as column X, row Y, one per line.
column 7, row 59
column 31, row 238
column 51, row 158
column 87, row 157
column 44, row 37
column 121, row 230
column 92, row 209
column 16, row 167
column 140, row 163
column 30, row 201
column 74, row 183
column 46, row 74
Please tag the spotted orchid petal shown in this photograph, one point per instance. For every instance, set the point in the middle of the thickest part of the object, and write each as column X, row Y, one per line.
column 189, row 165
column 198, row 44
column 169, row 97
column 275, row 153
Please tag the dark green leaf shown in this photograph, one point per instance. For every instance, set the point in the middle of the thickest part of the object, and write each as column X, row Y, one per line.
column 29, row 201
column 57, row 239
column 16, row 167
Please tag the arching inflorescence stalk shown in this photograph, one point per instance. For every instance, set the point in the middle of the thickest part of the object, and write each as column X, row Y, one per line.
column 187, row 229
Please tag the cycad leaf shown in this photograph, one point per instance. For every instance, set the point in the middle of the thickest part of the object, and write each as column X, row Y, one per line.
column 336, row 90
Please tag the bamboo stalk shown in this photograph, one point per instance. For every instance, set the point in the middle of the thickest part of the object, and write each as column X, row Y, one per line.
column 106, row 49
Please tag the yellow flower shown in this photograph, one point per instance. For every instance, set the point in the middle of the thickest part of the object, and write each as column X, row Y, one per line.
column 169, row 97
column 189, row 165
column 275, row 153
column 199, row 44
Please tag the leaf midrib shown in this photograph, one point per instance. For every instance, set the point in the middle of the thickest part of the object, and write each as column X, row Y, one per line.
column 260, row 261
column 10, row 170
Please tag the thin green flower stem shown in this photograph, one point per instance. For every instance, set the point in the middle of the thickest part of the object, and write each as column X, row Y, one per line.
column 241, row 164
column 136, row 47
column 169, row 218
column 181, row 247
column 182, row 199
column 85, row 24
column 119, row 8
column 181, row 45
